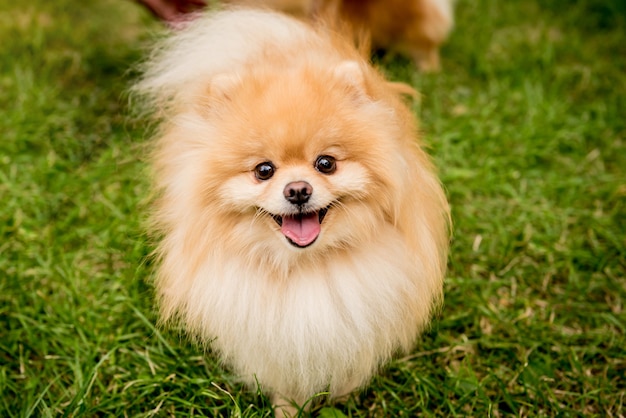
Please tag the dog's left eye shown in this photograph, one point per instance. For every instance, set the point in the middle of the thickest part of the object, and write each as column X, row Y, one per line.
column 326, row 164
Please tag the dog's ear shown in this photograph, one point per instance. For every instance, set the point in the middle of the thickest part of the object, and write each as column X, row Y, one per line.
column 221, row 85
column 350, row 75
column 218, row 92
column 403, row 89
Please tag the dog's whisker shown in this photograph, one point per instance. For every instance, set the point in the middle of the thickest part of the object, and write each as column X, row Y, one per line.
column 258, row 214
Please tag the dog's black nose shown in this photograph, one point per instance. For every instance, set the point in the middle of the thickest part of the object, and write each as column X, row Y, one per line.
column 298, row 192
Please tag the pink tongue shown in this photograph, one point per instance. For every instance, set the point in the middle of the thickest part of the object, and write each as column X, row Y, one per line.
column 301, row 229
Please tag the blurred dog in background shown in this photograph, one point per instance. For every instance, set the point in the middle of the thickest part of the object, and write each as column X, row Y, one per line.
column 416, row 28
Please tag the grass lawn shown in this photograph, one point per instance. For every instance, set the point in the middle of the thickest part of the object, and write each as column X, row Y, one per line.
column 527, row 123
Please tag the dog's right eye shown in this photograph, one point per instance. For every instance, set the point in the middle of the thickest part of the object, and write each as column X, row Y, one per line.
column 264, row 171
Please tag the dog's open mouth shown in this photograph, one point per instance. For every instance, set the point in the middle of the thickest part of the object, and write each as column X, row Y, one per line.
column 302, row 229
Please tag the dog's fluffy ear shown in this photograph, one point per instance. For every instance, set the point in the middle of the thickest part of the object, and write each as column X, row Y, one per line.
column 403, row 89
column 350, row 75
column 221, row 86
column 217, row 93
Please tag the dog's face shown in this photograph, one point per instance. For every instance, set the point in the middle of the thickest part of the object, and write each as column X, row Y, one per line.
column 297, row 193
column 302, row 159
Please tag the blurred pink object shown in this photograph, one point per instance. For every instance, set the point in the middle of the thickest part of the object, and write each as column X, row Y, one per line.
column 173, row 12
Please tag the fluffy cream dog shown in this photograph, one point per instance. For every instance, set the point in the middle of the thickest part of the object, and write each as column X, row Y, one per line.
column 303, row 232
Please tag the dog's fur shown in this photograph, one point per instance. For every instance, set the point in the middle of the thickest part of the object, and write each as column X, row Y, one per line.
column 240, row 88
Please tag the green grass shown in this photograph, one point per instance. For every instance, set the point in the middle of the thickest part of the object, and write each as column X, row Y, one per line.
column 527, row 123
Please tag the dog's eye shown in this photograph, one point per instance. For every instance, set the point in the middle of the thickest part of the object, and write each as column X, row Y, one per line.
column 325, row 164
column 264, row 171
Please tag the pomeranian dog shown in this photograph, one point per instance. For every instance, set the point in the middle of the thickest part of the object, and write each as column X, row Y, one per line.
column 416, row 28
column 303, row 234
